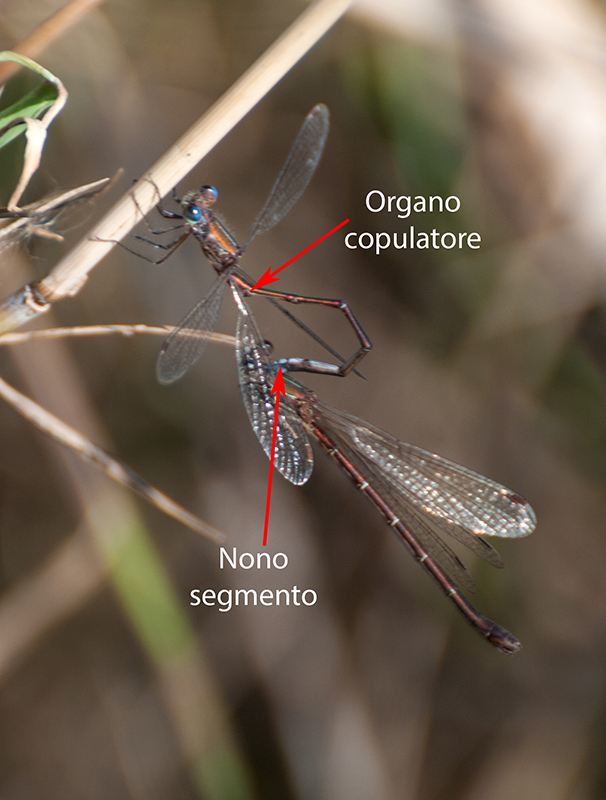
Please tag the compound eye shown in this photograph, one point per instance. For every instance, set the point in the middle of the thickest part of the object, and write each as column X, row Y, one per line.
column 192, row 214
column 209, row 194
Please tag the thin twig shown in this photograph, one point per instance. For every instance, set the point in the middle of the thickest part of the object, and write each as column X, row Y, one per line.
column 68, row 277
column 105, row 330
column 68, row 436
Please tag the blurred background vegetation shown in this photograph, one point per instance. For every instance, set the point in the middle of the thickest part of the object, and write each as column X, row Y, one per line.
column 111, row 684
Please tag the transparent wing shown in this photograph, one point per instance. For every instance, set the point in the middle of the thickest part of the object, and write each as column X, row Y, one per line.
column 296, row 173
column 429, row 531
column 293, row 455
column 184, row 346
column 417, row 502
column 458, row 496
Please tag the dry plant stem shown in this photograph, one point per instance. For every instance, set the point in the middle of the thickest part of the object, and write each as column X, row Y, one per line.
column 68, row 436
column 71, row 273
column 105, row 330
column 47, row 32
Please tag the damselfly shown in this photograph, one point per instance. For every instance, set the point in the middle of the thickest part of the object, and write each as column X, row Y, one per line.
column 182, row 348
column 421, row 495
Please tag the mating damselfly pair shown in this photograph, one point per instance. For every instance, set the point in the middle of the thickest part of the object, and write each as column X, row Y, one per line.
column 421, row 495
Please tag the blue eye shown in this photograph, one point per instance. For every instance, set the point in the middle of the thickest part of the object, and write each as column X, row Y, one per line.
column 192, row 214
column 209, row 194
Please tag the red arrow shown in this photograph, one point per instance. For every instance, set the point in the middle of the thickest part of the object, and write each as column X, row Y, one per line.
column 268, row 277
column 277, row 390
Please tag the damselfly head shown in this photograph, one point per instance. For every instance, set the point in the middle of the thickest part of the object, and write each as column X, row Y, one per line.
column 195, row 204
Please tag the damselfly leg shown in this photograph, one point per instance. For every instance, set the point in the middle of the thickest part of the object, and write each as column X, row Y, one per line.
column 181, row 349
